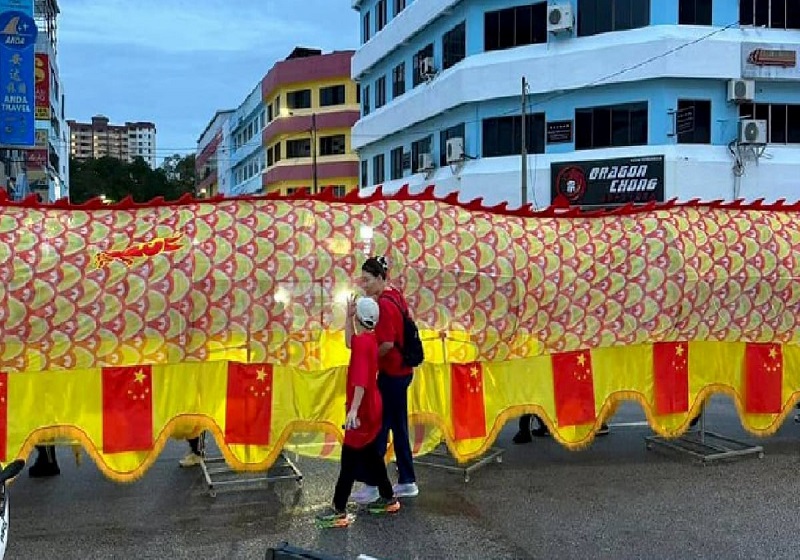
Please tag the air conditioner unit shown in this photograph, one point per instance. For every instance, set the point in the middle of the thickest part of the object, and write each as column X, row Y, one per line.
column 455, row 150
column 425, row 162
column 752, row 131
column 426, row 67
column 559, row 17
column 741, row 90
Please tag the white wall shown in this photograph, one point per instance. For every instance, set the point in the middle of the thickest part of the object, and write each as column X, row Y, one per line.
column 703, row 172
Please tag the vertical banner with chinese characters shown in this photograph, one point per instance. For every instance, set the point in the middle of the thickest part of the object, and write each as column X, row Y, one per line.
column 42, row 73
column 24, row 6
column 17, row 43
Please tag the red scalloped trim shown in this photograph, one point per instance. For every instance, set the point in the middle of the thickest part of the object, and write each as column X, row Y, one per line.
column 559, row 209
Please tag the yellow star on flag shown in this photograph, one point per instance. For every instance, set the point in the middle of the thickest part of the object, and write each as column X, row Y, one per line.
column 773, row 353
column 139, row 376
column 679, row 350
column 582, row 359
column 261, row 375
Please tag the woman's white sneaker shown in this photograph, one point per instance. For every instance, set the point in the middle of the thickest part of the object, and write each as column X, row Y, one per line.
column 408, row 490
column 366, row 495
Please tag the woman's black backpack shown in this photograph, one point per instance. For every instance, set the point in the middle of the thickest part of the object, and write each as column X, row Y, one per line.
column 411, row 350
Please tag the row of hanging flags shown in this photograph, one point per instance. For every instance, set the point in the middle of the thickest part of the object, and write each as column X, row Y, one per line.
column 129, row 325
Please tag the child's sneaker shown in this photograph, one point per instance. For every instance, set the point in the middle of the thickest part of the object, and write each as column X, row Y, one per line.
column 382, row 505
column 331, row 518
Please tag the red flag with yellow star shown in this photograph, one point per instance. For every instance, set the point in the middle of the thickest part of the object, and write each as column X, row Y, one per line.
column 671, row 377
column 468, row 406
column 248, row 409
column 763, row 378
column 573, row 384
column 127, row 409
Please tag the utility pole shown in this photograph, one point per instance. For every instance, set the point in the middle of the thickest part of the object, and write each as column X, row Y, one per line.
column 524, row 191
column 314, row 149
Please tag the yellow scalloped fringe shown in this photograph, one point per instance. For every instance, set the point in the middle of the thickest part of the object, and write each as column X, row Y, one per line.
column 197, row 423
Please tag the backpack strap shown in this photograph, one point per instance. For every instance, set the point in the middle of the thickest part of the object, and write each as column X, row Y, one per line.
column 403, row 311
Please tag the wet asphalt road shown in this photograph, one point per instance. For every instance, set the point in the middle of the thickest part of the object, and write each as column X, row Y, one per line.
column 614, row 500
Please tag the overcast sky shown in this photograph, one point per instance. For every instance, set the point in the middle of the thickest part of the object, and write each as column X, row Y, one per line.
column 175, row 62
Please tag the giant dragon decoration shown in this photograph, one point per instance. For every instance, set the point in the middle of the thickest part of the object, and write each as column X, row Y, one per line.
column 124, row 325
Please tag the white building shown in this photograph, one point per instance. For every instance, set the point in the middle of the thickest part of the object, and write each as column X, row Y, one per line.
column 627, row 100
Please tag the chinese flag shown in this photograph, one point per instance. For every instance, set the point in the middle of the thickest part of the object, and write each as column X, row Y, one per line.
column 248, row 409
column 671, row 371
column 127, row 409
column 573, row 384
column 763, row 378
column 3, row 415
column 468, row 406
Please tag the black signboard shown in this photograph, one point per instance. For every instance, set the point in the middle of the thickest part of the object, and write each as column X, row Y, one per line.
column 559, row 132
column 684, row 120
column 609, row 182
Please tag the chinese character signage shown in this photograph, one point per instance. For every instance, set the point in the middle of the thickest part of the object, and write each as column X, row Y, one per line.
column 24, row 6
column 609, row 182
column 42, row 74
column 17, row 43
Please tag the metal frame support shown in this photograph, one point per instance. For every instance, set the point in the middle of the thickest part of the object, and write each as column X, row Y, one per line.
column 704, row 445
column 283, row 469
column 440, row 458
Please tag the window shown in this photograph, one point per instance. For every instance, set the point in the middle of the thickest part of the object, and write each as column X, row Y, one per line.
column 365, row 29
column 399, row 80
column 380, row 92
column 783, row 121
column 502, row 136
column 358, row 93
column 364, row 173
column 300, row 99
column 396, row 157
column 270, row 161
column 421, row 55
column 278, row 106
column 298, row 148
column 366, row 101
column 457, row 131
column 277, row 152
column 339, row 191
column 697, row 116
column 418, row 148
column 332, row 95
column 617, row 125
column 514, row 27
column 695, row 12
column 399, row 6
column 332, row 145
column 269, row 113
column 454, row 45
column 779, row 14
column 602, row 16
column 377, row 170
column 380, row 15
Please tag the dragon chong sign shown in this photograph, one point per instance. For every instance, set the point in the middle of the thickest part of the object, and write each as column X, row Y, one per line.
column 609, row 182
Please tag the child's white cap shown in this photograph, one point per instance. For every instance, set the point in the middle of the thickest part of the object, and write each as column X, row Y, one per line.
column 367, row 312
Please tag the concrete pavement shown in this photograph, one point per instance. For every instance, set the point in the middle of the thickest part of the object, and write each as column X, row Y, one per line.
column 613, row 500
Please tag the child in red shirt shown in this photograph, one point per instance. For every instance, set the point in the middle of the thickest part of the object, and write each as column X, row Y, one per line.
column 364, row 417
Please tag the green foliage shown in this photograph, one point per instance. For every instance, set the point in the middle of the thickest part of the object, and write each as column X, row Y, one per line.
column 117, row 179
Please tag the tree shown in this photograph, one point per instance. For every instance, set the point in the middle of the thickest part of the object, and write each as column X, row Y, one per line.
column 116, row 179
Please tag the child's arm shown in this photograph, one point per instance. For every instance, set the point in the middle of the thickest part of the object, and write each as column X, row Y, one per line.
column 352, row 421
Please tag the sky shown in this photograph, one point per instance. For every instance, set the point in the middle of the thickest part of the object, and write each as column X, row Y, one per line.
column 176, row 62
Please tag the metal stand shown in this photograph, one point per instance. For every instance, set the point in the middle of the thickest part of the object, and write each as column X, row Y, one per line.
column 706, row 446
column 283, row 469
column 439, row 458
